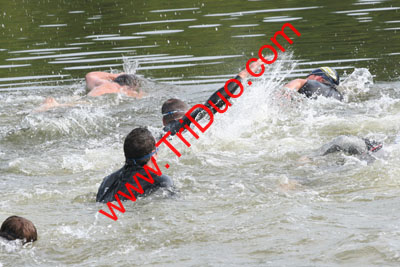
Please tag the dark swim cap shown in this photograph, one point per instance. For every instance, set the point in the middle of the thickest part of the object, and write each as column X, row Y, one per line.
column 328, row 74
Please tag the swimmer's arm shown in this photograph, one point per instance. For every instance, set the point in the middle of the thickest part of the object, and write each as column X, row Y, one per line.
column 253, row 67
column 97, row 78
column 199, row 113
column 51, row 103
column 232, row 87
column 132, row 93
column 296, row 84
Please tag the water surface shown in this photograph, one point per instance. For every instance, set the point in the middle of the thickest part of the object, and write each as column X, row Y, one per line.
column 236, row 203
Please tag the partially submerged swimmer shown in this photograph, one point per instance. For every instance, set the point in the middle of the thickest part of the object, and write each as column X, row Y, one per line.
column 101, row 83
column 15, row 227
column 320, row 82
column 139, row 149
column 352, row 145
column 363, row 148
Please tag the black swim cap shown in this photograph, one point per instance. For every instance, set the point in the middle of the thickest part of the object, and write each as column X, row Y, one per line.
column 327, row 73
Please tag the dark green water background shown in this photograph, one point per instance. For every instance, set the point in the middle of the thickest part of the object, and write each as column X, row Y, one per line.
column 331, row 31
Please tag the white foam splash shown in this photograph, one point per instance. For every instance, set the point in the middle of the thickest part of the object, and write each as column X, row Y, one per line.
column 130, row 65
column 358, row 82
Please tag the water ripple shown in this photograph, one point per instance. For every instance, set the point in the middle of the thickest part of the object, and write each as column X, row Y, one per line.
column 53, row 25
column 175, row 9
column 156, row 21
column 260, row 11
column 69, row 55
column 204, row 26
column 159, row 32
column 367, row 10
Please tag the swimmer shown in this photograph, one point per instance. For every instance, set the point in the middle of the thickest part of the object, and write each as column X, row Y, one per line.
column 139, row 147
column 363, row 148
column 352, row 145
column 15, row 227
column 174, row 109
column 101, row 83
column 320, row 82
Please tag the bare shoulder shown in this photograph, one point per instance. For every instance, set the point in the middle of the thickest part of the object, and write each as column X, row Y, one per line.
column 98, row 78
column 106, row 87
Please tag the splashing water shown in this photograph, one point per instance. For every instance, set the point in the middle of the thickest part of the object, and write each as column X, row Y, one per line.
column 130, row 65
column 358, row 82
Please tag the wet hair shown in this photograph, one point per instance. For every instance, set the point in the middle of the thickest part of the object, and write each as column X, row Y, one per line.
column 15, row 227
column 139, row 143
column 128, row 80
column 173, row 109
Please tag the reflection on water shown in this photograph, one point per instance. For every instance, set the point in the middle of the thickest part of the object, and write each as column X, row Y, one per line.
column 156, row 22
column 148, row 33
column 252, row 190
column 204, row 26
column 281, row 19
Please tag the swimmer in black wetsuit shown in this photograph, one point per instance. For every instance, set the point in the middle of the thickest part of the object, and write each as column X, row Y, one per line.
column 320, row 82
column 139, row 147
column 173, row 110
column 352, row 145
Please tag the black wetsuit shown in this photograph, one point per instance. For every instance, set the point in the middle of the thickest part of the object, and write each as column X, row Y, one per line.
column 313, row 89
column 199, row 113
column 352, row 145
column 116, row 182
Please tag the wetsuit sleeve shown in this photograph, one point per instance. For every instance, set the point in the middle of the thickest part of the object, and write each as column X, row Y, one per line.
column 164, row 181
column 199, row 113
column 232, row 88
column 307, row 90
column 106, row 190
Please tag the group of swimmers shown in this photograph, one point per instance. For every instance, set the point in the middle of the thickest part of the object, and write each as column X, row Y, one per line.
column 140, row 145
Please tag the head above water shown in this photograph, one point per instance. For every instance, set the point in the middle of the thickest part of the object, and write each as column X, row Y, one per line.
column 173, row 109
column 127, row 80
column 372, row 145
column 15, row 227
column 139, row 146
column 328, row 74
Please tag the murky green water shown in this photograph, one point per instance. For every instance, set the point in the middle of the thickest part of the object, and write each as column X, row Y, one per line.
column 234, row 206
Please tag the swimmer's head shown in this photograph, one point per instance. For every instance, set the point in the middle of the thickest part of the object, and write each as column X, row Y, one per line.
column 328, row 74
column 173, row 109
column 15, row 227
column 127, row 80
column 139, row 146
column 372, row 145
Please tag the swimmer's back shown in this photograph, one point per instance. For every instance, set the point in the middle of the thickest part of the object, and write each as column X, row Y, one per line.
column 116, row 182
column 313, row 89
